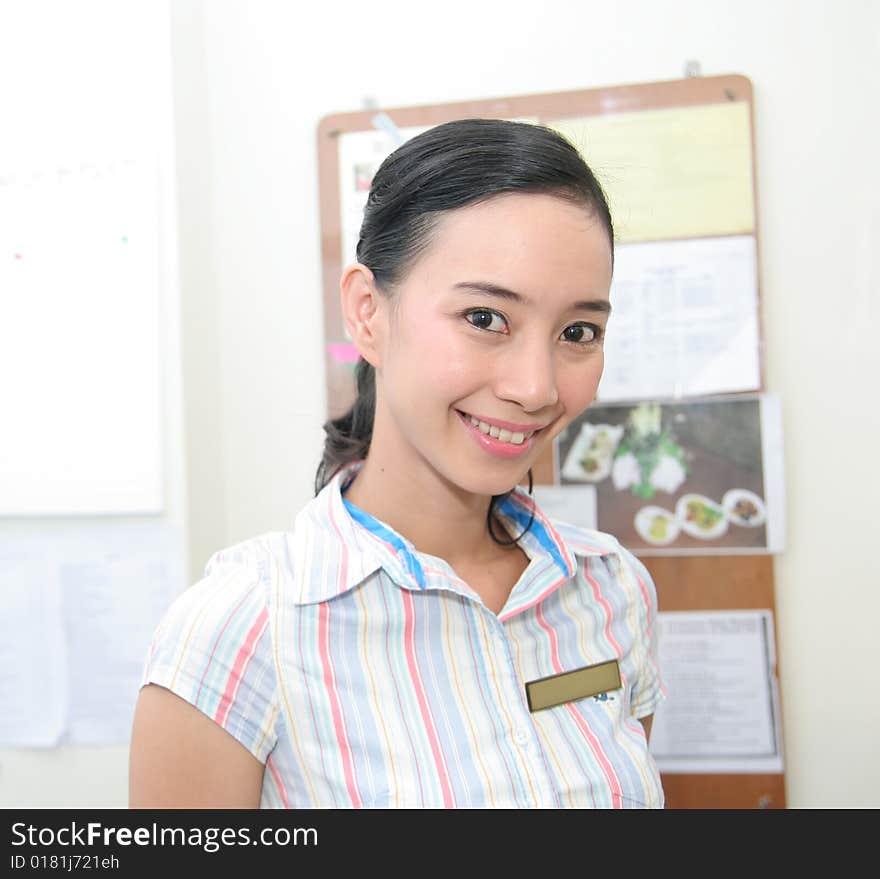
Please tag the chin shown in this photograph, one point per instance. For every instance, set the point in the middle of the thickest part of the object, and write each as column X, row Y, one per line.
column 488, row 484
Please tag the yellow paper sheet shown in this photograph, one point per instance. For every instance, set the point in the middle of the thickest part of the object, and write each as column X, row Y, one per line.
column 673, row 173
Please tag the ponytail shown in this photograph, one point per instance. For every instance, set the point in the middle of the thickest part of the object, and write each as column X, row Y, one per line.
column 348, row 437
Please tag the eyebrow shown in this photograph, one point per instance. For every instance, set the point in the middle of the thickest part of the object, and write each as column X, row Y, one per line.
column 601, row 305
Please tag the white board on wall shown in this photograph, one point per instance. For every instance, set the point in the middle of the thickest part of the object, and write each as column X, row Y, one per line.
column 83, row 171
column 79, row 340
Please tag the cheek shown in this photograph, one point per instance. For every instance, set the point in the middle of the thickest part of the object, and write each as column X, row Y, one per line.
column 436, row 363
column 577, row 385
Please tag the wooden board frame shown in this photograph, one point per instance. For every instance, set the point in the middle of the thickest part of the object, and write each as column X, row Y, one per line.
column 683, row 582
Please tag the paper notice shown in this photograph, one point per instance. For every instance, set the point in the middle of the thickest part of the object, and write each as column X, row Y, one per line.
column 33, row 675
column 80, row 604
column 575, row 504
column 722, row 710
column 683, row 172
column 685, row 320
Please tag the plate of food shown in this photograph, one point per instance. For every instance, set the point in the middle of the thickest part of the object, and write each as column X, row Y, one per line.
column 592, row 452
column 701, row 517
column 744, row 508
column 656, row 525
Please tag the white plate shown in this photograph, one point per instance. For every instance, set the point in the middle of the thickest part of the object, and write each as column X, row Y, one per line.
column 645, row 520
column 598, row 442
column 737, row 495
column 716, row 530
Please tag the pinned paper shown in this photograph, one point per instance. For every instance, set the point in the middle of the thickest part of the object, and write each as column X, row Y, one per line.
column 684, row 172
column 722, row 712
column 80, row 605
column 685, row 320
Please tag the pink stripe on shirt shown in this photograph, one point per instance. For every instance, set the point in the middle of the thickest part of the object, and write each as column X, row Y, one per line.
column 427, row 717
column 210, row 663
column 239, row 666
column 336, row 705
column 595, row 746
column 606, row 607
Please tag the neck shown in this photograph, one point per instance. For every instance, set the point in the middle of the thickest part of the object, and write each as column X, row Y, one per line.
column 437, row 518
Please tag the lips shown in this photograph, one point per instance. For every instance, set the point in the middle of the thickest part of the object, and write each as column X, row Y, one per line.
column 513, row 427
column 507, row 425
column 505, row 431
column 504, row 445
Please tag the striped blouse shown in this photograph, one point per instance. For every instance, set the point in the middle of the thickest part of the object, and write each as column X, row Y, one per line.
column 364, row 673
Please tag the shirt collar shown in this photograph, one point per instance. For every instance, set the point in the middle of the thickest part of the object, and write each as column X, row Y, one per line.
column 330, row 552
column 337, row 545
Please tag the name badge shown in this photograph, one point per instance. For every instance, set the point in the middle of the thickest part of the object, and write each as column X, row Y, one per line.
column 573, row 685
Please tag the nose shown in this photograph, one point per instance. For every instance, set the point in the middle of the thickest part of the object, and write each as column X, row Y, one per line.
column 526, row 375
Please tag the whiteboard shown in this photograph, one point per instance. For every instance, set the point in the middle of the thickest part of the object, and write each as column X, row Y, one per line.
column 82, row 165
column 79, row 342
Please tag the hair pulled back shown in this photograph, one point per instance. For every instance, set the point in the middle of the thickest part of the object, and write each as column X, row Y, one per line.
column 447, row 167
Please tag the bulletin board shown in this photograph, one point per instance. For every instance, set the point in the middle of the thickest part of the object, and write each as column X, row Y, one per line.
column 720, row 205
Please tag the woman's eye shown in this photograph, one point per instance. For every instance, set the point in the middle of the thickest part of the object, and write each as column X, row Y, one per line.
column 582, row 334
column 482, row 319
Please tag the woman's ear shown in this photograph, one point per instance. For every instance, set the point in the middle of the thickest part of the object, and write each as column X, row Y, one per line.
column 363, row 312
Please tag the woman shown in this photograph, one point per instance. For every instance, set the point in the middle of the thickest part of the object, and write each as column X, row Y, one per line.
column 411, row 641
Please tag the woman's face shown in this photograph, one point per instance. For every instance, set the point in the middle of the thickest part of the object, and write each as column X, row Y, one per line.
column 458, row 347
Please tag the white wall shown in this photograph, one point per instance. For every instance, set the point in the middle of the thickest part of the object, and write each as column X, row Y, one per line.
column 252, row 80
column 70, row 95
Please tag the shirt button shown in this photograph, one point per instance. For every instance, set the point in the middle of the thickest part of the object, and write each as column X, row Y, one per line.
column 521, row 736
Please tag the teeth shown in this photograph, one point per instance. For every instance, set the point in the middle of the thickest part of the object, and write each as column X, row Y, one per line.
column 500, row 433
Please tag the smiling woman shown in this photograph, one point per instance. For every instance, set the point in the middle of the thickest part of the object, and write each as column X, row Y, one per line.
column 425, row 635
column 523, row 362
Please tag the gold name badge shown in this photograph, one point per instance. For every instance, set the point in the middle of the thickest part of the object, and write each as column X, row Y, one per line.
column 572, row 685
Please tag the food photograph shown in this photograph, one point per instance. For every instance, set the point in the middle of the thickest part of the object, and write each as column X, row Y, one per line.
column 682, row 476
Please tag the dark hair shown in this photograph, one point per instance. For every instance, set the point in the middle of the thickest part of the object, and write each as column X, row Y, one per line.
column 447, row 167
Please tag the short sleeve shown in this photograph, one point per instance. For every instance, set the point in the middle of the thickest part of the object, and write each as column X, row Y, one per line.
column 648, row 688
column 213, row 649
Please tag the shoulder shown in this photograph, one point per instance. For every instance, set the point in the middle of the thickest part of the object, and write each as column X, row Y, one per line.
column 209, row 618
column 234, row 581
column 588, row 542
column 213, row 647
column 591, row 542
column 230, row 602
